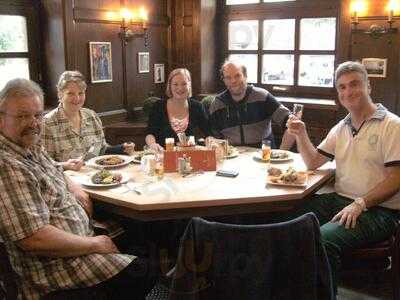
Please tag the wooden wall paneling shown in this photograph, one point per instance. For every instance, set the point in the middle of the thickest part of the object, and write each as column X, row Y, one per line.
column 54, row 52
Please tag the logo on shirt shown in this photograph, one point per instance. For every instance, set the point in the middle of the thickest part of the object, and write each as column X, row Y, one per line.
column 372, row 142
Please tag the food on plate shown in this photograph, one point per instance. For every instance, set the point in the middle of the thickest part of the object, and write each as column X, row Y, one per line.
column 140, row 155
column 290, row 176
column 110, row 161
column 279, row 155
column 106, row 177
column 274, row 171
column 231, row 150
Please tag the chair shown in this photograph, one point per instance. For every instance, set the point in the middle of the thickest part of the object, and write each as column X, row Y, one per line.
column 275, row 261
column 388, row 249
column 7, row 276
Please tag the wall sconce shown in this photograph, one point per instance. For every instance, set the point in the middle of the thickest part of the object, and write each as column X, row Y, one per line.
column 138, row 21
column 374, row 31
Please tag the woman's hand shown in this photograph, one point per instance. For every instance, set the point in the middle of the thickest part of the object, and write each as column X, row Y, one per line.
column 73, row 164
column 129, row 148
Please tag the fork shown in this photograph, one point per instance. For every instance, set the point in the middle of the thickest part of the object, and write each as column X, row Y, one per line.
column 130, row 188
column 90, row 150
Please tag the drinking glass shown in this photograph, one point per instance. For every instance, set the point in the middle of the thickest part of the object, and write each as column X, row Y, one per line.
column 266, row 150
column 169, row 144
column 298, row 110
column 159, row 166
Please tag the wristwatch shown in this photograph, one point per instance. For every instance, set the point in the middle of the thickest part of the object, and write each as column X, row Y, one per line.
column 361, row 202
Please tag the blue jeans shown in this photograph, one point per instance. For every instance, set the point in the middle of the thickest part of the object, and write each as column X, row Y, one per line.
column 374, row 225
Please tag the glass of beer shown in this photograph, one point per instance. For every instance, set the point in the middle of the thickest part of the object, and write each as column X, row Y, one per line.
column 298, row 110
column 159, row 166
column 169, row 144
column 266, row 150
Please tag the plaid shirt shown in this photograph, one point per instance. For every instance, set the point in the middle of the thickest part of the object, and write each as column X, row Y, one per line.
column 62, row 142
column 33, row 194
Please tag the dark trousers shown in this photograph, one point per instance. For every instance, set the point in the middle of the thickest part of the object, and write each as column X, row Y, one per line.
column 133, row 282
column 374, row 225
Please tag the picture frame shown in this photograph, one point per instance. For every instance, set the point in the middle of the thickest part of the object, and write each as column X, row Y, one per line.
column 159, row 73
column 143, row 62
column 376, row 67
column 100, row 62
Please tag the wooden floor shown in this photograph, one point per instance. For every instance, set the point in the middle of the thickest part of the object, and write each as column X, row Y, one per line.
column 362, row 285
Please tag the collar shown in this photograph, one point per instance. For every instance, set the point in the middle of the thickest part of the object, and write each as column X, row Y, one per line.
column 379, row 114
column 62, row 117
column 9, row 146
column 229, row 98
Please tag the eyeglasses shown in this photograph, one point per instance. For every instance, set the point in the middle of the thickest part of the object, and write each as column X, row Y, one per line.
column 25, row 117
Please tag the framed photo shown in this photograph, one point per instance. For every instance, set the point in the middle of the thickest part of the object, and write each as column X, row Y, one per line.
column 143, row 62
column 100, row 61
column 376, row 67
column 159, row 75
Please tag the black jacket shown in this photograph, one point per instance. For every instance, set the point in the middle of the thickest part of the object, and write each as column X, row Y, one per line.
column 252, row 262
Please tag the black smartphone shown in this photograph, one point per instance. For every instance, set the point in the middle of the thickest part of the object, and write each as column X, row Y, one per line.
column 227, row 173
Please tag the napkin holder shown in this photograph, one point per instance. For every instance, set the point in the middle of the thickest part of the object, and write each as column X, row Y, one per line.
column 201, row 159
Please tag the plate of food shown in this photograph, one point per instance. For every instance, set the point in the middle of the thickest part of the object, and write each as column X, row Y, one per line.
column 137, row 158
column 110, row 161
column 276, row 156
column 280, row 155
column 290, row 177
column 103, row 178
column 232, row 152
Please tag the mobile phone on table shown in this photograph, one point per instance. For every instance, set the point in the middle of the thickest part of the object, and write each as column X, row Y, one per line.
column 227, row 173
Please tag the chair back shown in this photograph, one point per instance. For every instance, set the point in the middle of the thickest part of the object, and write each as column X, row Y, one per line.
column 7, row 275
column 275, row 261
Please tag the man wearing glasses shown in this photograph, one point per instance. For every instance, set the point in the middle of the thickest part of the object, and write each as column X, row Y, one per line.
column 45, row 218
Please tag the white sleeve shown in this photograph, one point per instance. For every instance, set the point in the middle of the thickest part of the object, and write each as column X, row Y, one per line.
column 328, row 145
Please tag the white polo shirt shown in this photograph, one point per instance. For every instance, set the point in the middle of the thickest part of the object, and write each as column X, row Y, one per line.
column 361, row 157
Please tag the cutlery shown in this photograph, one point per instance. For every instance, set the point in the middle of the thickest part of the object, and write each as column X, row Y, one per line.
column 130, row 188
column 90, row 150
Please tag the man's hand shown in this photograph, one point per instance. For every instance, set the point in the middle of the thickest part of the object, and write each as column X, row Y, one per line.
column 81, row 196
column 156, row 147
column 104, row 245
column 348, row 215
column 129, row 148
column 295, row 126
column 73, row 164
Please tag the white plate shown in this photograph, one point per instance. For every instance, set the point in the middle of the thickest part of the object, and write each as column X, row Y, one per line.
column 87, row 181
column 127, row 159
column 289, row 157
column 282, row 183
column 135, row 157
column 234, row 153
column 258, row 156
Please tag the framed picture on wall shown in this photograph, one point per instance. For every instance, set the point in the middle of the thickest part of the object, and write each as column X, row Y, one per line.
column 159, row 75
column 100, row 61
column 143, row 62
column 376, row 67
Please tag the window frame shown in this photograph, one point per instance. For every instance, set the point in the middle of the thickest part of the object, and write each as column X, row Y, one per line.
column 32, row 26
column 285, row 10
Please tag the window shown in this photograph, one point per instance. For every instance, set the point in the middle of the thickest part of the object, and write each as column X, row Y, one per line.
column 18, row 48
column 235, row 2
column 292, row 51
column 14, row 60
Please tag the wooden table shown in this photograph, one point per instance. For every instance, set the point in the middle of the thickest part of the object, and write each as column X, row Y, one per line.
column 205, row 194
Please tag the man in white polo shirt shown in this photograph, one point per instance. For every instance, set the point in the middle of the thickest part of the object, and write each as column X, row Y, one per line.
column 366, row 203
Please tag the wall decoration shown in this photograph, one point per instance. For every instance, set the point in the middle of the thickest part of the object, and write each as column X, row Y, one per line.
column 159, row 74
column 143, row 62
column 376, row 67
column 100, row 61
